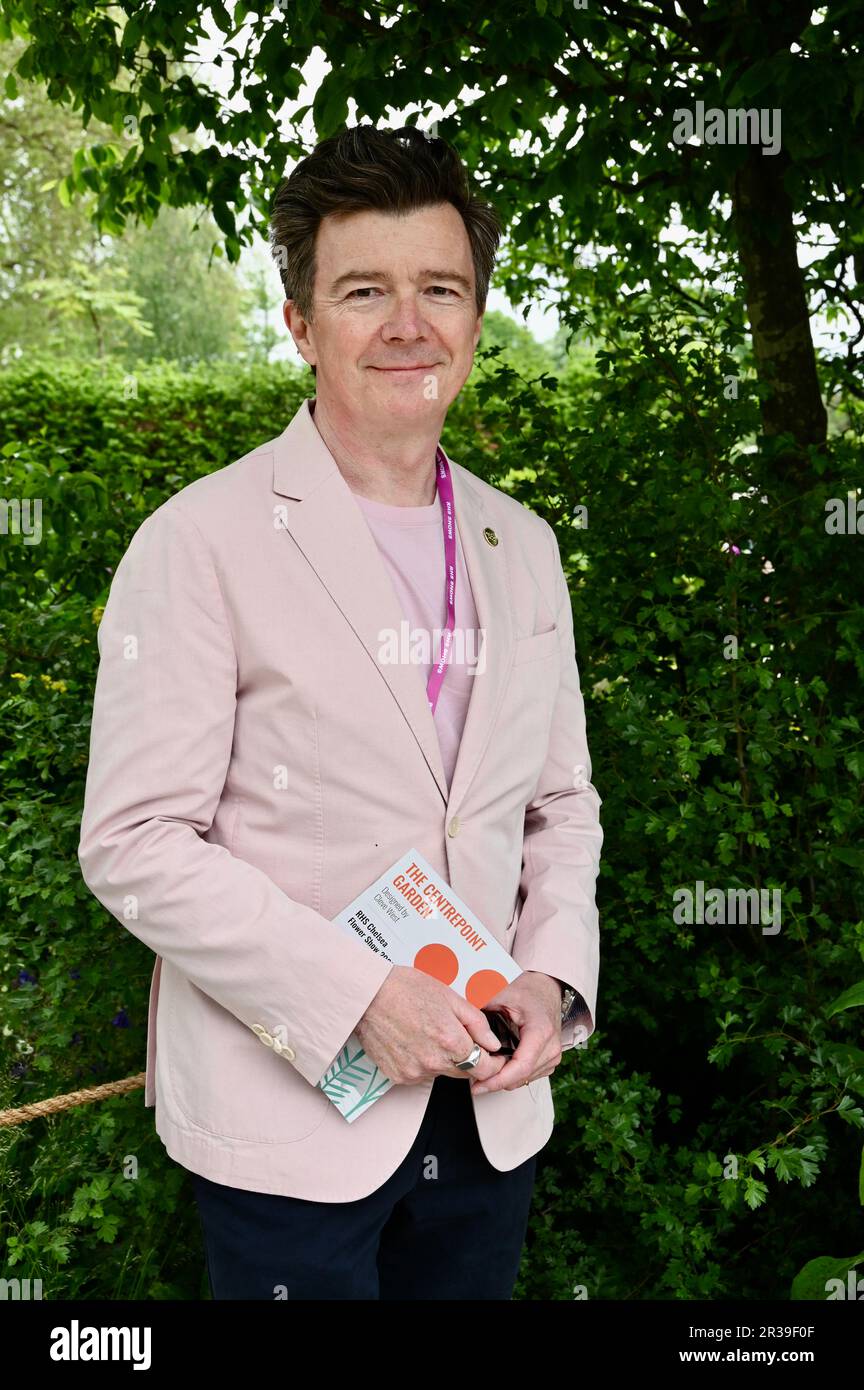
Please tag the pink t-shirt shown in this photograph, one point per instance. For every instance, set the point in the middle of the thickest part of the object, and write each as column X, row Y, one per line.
column 411, row 542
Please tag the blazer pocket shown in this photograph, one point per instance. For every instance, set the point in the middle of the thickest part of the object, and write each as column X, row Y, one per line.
column 536, row 647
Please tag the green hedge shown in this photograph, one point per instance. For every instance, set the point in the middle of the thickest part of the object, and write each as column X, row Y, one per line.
column 708, row 1137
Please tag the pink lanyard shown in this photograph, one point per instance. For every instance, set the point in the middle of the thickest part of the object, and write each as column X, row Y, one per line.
column 448, row 518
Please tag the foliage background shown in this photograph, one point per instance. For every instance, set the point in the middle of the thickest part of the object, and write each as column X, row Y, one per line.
column 711, row 1041
column 708, row 1143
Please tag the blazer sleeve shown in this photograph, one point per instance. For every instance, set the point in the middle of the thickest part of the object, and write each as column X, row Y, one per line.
column 558, row 927
column 160, row 746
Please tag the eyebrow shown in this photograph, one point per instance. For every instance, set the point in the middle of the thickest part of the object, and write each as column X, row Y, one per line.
column 452, row 275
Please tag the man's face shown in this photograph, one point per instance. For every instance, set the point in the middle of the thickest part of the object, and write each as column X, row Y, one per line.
column 395, row 321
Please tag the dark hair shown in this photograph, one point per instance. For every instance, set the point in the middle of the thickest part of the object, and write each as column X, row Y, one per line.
column 364, row 168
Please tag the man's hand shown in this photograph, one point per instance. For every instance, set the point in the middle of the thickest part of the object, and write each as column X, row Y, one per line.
column 533, row 1003
column 416, row 1028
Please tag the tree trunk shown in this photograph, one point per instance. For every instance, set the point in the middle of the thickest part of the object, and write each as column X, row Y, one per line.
column 776, row 301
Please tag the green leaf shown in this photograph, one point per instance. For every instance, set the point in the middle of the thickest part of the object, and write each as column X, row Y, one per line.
column 755, row 1192
column 330, row 107
column 810, row 1282
column 853, row 857
column 132, row 33
column 852, row 998
column 223, row 217
column 221, row 16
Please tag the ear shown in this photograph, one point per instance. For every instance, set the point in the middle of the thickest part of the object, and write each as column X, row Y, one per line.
column 299, row 330
column 478, row 327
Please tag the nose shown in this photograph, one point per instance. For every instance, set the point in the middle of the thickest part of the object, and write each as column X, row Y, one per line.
column 406, row 321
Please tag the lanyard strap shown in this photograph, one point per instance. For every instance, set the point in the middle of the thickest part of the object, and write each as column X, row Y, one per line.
column 444, row 485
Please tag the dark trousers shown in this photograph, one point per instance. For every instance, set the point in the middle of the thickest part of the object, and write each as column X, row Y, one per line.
column 445, row 1225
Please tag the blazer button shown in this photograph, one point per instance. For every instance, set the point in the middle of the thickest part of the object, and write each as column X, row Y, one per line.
column 453, row 827
column 284, row 1050
column 260, row 1031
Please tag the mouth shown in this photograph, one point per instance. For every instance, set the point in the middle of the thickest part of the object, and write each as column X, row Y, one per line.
column 405, row 371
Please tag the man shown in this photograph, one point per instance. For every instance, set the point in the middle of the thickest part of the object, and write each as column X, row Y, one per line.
column 256, row 763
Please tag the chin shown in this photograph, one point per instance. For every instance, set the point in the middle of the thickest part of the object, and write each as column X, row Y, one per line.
column 406, row 398
column 403, row 398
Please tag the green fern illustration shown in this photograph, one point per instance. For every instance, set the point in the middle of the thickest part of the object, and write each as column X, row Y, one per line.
column 351, row 1075
column 374, row 1089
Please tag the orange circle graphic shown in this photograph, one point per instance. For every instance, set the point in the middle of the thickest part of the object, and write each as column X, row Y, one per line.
column 438, row 961
column 483, row 986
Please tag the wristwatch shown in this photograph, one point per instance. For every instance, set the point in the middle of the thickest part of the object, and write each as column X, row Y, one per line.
column 572, row 1003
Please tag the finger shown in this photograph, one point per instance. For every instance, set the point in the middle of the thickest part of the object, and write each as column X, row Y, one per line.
column 483, row 1086
column 460, row 1049
column 528, row 1059
column 476, row 1024
column 487, row 1067
column 543, row 1065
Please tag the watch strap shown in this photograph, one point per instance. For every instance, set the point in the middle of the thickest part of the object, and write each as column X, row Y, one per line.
column 572, row 1004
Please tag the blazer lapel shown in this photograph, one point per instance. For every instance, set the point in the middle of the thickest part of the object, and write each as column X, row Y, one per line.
column 331, row 531
column 489, row 578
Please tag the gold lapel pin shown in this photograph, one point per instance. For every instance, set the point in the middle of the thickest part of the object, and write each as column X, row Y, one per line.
column 490, row 536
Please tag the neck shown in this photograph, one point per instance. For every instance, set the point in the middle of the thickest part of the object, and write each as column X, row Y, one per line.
column 391, row 465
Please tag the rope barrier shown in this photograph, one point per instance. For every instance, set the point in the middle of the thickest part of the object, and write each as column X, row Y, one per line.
column 72, row 1098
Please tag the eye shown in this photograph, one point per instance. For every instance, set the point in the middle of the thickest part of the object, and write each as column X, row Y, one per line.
column 364, row 290
column 444, row 290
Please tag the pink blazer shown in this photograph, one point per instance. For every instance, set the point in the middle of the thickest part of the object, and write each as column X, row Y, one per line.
column 253, row 766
